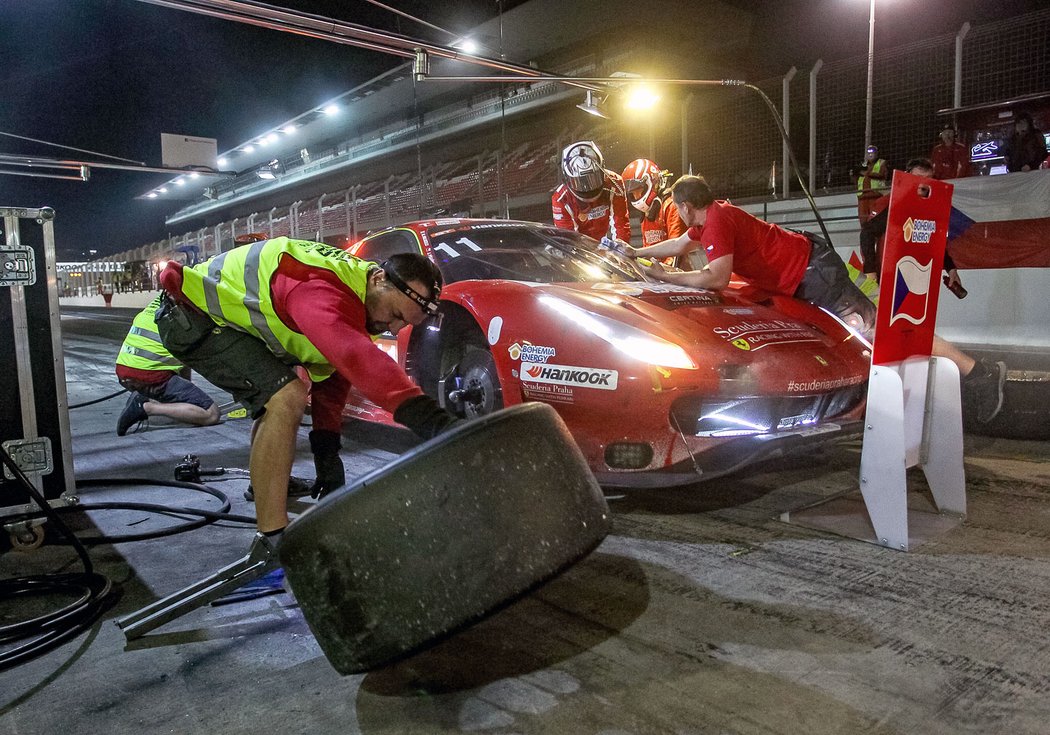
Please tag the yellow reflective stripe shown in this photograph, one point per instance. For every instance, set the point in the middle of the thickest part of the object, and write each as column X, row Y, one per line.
column 141, row 332
column 163, row 359
column 253, row 301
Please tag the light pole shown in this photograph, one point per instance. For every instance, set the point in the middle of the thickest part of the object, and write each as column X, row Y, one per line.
column 871, row 68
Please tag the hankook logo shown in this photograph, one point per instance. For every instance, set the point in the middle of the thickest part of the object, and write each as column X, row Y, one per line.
column 582, row 377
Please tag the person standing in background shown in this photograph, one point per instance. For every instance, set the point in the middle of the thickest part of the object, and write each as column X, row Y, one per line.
column 1026, row 149
column 872, row 178
column 951, row 159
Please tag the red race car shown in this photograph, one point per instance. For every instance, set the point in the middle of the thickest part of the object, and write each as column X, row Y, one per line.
column 659, row 384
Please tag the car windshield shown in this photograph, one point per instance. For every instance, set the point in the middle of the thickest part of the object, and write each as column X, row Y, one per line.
column 525, row 253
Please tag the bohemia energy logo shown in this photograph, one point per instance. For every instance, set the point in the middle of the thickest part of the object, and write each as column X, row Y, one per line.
column 581, row 377
column 911, row 285
column 911, row 290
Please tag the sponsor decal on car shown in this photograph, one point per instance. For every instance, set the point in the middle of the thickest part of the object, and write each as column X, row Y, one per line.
column 755, row 335
column 549, row 393
column 695, row 299
column 663, row 287
column 581, row 377
column 623, row 289
column 822, row 386
column 528, row 352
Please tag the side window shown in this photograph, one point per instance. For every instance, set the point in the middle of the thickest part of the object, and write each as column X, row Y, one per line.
column 381, row 247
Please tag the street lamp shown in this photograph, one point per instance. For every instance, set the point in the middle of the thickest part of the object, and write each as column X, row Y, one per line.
column 871, row 68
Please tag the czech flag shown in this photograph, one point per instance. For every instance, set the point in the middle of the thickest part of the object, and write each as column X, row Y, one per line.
column 1001, row 221
column 911, row 290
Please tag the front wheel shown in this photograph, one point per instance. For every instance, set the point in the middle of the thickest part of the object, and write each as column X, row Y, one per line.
column 478, row 392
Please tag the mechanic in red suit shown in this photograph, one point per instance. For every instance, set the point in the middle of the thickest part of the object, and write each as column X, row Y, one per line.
column 591, row 201
column 951, row 160
column 763, row 254
column 246, row 317
column 646, row 185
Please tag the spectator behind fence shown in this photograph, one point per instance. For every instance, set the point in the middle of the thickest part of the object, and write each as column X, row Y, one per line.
column 951, row 159
column 1026, row 149
column 873, row 174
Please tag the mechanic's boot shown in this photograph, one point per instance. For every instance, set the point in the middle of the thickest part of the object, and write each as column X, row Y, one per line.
column 132, row 414
column 297, row 488
column 985, row 384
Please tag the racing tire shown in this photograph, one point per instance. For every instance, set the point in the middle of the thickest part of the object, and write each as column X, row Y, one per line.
column 444, row 536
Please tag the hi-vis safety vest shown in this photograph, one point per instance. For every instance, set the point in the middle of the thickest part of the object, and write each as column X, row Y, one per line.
column 234, row 288
column 142, row 348
column 872, row 184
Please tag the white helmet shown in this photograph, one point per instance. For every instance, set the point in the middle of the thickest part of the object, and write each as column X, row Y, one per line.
column 582, row 166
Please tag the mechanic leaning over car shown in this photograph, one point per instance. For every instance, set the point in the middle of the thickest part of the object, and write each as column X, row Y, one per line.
column 793, row 264
column 591, row 201
column 244, row 318
column 763, row 254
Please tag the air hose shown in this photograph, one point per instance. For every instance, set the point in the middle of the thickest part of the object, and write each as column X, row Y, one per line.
column 99, row 400
column 91, row 590
column 45, row 632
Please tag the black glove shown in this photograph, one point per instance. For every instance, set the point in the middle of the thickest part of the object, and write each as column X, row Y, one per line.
column 325, row 446
column 425, row 417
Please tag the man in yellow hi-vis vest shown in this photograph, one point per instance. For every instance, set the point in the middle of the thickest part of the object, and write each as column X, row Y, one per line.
column 871, row 179
column 151, row 373
column 246, row 317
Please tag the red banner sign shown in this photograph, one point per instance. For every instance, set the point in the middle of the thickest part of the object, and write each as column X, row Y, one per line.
column 912, row 259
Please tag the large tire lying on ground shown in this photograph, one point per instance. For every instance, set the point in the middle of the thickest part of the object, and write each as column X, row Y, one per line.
column 442, row 537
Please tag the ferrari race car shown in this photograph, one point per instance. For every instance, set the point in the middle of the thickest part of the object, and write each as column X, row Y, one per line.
column 659, row 384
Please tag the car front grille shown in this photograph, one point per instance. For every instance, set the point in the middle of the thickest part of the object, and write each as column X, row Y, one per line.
column 723, row 417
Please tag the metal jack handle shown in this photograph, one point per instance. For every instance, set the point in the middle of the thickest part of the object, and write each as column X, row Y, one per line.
column 261, row 560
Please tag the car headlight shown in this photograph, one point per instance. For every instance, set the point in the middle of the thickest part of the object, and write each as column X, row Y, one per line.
column 629, row 340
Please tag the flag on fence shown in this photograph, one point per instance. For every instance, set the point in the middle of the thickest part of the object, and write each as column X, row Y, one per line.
column 1001, row 221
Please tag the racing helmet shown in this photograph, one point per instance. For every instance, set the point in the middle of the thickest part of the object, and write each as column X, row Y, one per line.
column 644, row 182
column 582, row 166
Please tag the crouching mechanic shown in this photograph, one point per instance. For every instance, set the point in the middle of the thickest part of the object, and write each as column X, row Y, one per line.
column 150, row 372
column 244, row 318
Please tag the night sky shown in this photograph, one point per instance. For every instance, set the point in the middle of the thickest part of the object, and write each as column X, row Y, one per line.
column 111, row 75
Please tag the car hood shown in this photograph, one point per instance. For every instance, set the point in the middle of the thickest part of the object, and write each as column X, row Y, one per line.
column 725, row 331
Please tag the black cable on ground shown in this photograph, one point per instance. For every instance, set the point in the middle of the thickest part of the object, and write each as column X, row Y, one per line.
column 204, row 517
column 99, row 400
column 48, row 631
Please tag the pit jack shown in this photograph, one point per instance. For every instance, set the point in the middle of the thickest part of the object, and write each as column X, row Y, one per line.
column 260, row 561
